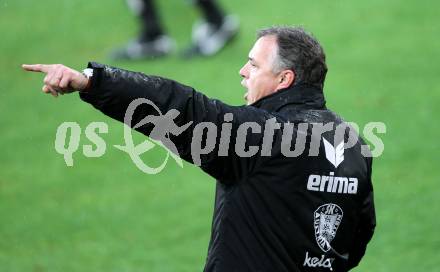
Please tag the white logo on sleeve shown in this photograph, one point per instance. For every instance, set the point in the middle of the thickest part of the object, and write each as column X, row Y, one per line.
column 327, row 219
column 335, row 155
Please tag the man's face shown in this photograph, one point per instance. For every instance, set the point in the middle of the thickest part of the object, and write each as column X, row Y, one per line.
column 258, row 76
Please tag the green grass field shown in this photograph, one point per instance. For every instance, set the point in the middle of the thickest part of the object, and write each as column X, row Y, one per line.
column 103, row 214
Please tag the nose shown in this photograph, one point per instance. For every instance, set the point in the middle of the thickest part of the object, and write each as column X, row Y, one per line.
column 244, row 71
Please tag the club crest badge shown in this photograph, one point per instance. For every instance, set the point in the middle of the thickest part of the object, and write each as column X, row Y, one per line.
column 327, row 219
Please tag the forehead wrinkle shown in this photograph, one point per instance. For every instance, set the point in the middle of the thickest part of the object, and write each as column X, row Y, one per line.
column 270, row 45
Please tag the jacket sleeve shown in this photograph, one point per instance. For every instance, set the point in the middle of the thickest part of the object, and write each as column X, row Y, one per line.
column 366, row 225
column 112, row 90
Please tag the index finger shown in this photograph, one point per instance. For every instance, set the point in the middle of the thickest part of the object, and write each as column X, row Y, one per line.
column 36, row 67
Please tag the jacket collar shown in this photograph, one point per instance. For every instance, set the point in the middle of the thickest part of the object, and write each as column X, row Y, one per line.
column 300, row 96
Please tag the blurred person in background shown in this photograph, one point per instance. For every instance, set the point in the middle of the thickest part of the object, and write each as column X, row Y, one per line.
column 272, row 212
column 209, row 35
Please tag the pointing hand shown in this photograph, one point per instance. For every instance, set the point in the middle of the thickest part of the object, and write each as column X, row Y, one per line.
column 59, row 79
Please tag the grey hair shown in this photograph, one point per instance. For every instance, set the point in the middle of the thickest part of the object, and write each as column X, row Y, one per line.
column 300, row 52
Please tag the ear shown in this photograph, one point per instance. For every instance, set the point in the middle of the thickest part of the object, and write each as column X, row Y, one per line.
column 286, row 79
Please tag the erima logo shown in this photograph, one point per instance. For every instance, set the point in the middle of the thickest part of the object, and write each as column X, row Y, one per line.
column 335, row 155
column 332, row 184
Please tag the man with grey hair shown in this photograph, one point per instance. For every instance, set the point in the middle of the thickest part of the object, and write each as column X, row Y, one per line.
column 313, row 211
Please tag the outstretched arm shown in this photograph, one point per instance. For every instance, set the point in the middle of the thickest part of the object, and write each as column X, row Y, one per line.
column 112, row 91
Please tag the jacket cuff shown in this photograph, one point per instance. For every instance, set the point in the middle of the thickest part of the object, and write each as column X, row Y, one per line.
column 93, row 87
column 97, row 73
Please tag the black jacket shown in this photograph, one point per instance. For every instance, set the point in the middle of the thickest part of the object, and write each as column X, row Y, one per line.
column 272, row 213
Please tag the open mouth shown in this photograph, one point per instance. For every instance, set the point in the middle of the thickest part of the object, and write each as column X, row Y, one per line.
column 243, row 83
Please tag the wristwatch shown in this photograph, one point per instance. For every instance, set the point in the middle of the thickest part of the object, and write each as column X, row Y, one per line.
column 88, row 73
